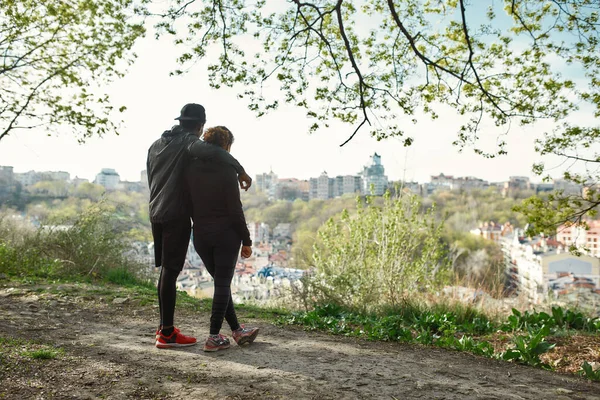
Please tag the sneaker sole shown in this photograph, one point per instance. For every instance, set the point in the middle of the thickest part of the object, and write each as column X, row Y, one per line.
column 215, row 348
column 248, row 339
column 171, row 345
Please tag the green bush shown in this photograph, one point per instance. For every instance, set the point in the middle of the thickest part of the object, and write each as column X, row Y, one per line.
column 378, row 256
column 89, row 248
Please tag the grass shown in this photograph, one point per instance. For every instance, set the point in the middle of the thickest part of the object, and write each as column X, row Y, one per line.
column 42, row 354
column 18, row 349
column 525, row 338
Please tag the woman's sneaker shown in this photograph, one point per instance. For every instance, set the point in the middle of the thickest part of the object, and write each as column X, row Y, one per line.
column 175, row 339
column 216, row 342
column 244, row 335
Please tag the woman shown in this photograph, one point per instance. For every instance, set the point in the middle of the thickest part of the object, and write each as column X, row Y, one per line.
column 219, row 228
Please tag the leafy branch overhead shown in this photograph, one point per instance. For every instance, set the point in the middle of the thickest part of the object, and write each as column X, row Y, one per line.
column 54, row 55
column 377, row 63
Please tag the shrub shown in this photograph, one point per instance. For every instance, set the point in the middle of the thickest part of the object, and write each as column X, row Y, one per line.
column 378, row 256
column 89, row 247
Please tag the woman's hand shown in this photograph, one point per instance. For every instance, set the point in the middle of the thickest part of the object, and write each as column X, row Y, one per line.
column 245, row 181
column 246, row 251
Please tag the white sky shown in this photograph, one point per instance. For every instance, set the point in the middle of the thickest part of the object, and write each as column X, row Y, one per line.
column 279, row 141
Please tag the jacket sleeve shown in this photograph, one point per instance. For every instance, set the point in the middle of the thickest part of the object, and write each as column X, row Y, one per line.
column 234, row 205
column 203, row 150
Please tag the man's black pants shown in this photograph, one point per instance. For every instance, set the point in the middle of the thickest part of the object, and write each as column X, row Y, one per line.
column 171, row 240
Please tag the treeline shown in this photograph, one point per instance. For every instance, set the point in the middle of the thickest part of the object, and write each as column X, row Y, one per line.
column 473, row 261
column 62, row 203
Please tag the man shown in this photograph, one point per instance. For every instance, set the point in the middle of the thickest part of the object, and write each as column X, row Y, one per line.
column 170, row 208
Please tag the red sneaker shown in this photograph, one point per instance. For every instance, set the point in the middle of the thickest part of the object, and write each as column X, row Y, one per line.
column 175, row 339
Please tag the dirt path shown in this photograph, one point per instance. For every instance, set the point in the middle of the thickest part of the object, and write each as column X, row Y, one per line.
column 109, row 353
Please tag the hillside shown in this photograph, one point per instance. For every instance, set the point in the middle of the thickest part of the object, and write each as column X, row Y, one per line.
column 78, row 341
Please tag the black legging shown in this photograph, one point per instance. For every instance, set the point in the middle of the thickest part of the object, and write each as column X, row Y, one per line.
column 167, row 295
column 220, row 253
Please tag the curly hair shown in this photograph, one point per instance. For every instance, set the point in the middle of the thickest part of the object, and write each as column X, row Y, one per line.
column 219, row 135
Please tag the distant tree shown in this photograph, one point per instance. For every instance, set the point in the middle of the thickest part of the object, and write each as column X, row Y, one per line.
column 54, row 55
column 50, row 188
column 90, row 191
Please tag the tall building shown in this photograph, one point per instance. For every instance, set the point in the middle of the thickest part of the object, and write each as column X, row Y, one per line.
column 347, row 184
column 108, row 177
column 267, row 183
column 373, row 175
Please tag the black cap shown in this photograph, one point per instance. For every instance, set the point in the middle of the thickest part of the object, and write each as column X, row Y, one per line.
column 192, row 112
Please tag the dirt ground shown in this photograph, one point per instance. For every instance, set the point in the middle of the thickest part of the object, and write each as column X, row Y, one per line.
column 107, row 351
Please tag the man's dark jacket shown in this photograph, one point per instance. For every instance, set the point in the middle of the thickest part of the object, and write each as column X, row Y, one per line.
column 167, row 160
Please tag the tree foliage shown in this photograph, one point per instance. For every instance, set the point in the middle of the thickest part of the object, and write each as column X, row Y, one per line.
column 371, row 62
column 381, row 64
column 54, row 56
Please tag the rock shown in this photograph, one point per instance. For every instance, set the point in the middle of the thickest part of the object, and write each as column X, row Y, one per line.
column 120, row 300
column 563, row 391
column 32, row 299
column 3, row 276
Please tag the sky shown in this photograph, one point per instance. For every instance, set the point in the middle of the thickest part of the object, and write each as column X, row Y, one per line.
column 279, row 141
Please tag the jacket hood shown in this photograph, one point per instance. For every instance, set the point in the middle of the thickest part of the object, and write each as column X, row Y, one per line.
column 174, row 131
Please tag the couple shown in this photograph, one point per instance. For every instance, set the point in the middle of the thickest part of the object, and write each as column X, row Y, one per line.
column 189, row 177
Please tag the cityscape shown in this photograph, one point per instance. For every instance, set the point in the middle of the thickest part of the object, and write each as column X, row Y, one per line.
column 535, row 266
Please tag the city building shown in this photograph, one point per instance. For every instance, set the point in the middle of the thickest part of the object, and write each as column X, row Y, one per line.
column 567, row 187
column 8, row 184
column 538, row 266
column 292, row 189
column 282, row 230
column 562, row 270
column 267, row 183
column 493, row 231
column 27, row 178
column 449, row 182
column 259, row 232
column 127, row 186
column 441, row 181
column 374, row 179
column 516, row 183
column 78, row 181
column 543, row 187
column 108, row 177
column 144, row 178
column 469, row 183
column 56, row 176
column 7, row 176
column 321, row 187
column 347, row 184
column 32, row 177
column 586, row 240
